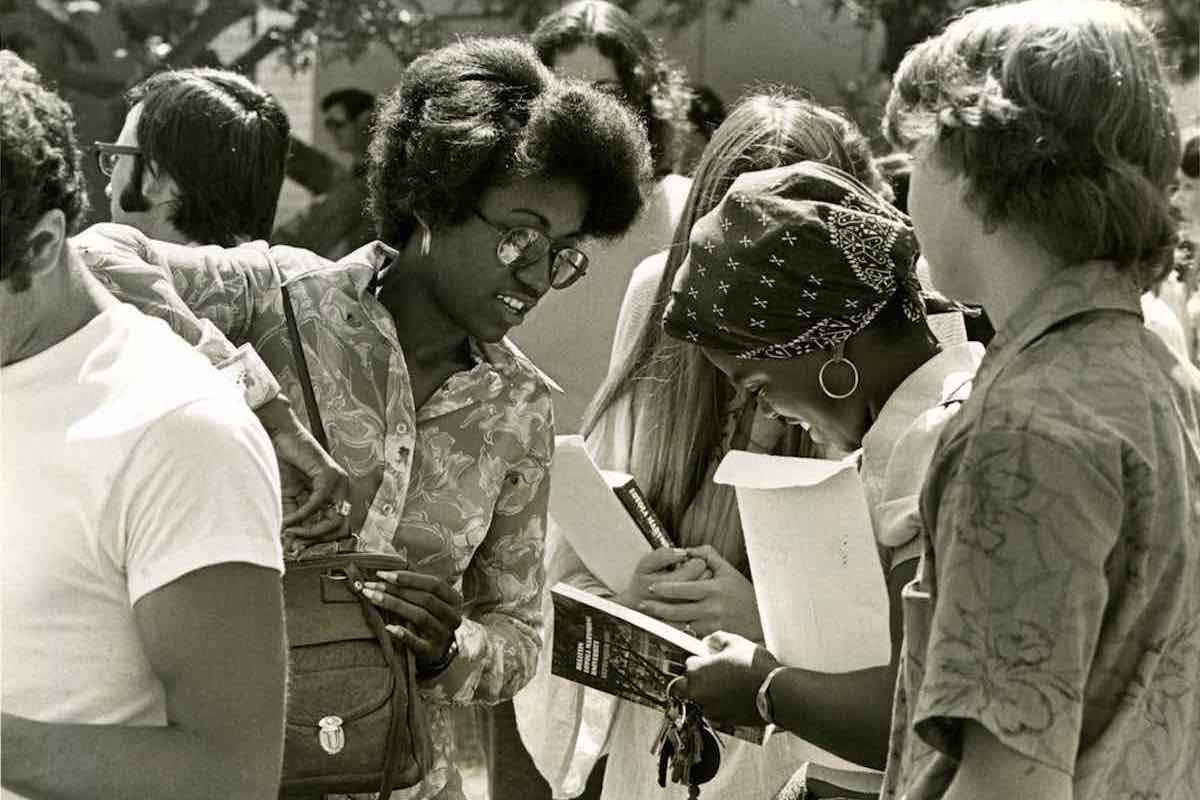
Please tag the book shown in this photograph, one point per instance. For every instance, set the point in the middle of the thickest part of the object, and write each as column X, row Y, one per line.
column 605, row 646
column 591, row 517
column 630, row 494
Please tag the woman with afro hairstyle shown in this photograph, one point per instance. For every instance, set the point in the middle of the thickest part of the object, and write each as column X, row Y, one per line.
column 488, row 177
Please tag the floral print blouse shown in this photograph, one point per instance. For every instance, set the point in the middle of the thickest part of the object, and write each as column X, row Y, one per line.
column 1058, row 599
column 459, row 486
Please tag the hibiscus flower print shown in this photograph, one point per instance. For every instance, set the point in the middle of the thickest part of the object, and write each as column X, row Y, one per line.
column 1003, row 669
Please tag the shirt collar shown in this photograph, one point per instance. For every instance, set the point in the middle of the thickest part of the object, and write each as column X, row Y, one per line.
column 495, row 367
column 939, row 380
column 368, row 265
column 1074, row 290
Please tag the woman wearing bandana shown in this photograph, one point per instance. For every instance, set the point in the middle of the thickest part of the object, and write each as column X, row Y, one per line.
column 667, row 416
column 800, row 286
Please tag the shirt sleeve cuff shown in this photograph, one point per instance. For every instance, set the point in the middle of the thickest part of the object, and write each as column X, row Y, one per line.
column 246, row 370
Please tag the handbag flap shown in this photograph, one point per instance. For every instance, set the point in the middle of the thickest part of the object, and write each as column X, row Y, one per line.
column 320, row 604
column 346, row 693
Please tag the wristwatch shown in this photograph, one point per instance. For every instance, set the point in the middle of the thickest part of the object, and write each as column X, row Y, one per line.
column 762, row 700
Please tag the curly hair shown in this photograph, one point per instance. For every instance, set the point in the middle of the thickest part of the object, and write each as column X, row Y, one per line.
column 1059, row 117
column 653, row 86
column 40, row 167
column 223, row 139
column 483, row 112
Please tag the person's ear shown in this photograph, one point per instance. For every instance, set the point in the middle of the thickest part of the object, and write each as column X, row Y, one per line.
column 158, row 187
column 47, row 243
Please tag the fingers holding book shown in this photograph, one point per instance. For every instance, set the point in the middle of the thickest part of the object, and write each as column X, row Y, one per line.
column 724, row 682
column 723, row 602
column 656, row 566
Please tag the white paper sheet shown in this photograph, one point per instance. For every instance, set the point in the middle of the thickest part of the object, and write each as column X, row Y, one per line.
column 817, row 577
column 591, row 517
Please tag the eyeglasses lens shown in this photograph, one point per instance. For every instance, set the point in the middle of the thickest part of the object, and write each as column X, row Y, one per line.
column 107, row 162
column 521, row 246
column 569, row 266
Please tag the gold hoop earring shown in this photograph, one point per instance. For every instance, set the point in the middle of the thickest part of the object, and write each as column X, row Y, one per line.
column 838, row 358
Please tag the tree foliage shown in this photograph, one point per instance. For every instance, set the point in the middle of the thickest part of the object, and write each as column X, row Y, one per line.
column 907, row 22
column 179, row 33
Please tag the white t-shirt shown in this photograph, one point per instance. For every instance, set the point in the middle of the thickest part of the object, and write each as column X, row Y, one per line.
column 126, row 462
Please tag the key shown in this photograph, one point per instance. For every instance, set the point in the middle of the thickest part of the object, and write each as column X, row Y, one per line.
column 682, row 758
column 705, row 753
column 683, row 744
column 691, row 733
column 709, row 761
column 667, row 724
column 664, row 758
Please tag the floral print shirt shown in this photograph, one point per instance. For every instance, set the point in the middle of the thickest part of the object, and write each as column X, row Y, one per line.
column 459, row 486
column 1058, row 599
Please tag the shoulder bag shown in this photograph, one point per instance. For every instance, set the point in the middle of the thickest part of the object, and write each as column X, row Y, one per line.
column 355, row 722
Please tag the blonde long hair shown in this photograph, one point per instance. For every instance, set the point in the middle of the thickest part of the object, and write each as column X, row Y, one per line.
column 679, row 399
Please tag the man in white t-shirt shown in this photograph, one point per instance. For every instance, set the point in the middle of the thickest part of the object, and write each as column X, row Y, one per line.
column 142, row 649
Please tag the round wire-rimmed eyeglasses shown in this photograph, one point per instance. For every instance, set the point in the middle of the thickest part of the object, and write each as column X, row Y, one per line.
column 520, row 245
column 107, row 154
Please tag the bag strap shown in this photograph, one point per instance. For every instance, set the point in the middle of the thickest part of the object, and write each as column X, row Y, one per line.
column 310, row 398
column 399, row 673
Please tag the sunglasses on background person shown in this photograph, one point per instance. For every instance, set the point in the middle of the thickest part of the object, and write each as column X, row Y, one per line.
column 520, row 246
column 107, row 154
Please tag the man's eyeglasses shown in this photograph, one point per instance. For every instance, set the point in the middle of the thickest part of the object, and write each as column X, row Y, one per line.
column 107, row 153
column 519, row 246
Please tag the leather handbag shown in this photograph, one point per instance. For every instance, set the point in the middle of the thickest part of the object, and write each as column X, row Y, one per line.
column 355, row 722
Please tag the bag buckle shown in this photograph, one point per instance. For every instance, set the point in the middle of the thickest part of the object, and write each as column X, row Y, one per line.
column 331, row 736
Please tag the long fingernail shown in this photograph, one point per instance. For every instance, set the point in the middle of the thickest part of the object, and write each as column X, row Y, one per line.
column 372, row 594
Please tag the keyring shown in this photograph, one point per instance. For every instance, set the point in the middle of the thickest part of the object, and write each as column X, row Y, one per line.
column 671, row 686
column 343, row 508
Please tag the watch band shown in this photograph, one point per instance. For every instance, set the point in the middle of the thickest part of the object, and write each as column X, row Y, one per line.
column 762, row 700
column 246, row 370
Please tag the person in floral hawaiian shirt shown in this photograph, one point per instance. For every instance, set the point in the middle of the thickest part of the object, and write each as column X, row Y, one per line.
column 1052, row 634
column 486, row 174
